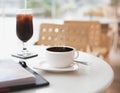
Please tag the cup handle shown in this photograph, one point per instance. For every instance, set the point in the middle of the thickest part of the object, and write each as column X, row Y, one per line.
column 76, row 55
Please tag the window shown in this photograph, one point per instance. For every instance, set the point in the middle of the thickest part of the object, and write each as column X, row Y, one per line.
column 44, row 11
column 51, row 8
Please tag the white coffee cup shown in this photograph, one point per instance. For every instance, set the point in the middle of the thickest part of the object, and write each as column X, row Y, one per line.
column 61, row 56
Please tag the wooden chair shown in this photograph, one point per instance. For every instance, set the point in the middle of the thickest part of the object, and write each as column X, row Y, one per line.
column 77, row 36
column 54, row 34
column 83, row 35
column 98, row 41
column 51, row 34
column 92, row 28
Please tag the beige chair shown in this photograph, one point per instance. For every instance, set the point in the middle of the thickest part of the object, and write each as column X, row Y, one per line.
column 77, row 36
column 51, row 34
column 54, row 34
column 83, row 35
column 98, row 41
column 92, row 28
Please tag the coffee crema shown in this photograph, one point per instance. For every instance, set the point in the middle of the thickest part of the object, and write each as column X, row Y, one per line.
column 59, row 49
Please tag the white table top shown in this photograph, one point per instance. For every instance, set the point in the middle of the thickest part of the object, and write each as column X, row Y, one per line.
column 94, row 78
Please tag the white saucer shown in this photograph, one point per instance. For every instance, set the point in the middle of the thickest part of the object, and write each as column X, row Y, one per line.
column 45, row 66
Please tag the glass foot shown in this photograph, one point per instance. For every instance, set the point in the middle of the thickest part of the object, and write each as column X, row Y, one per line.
column 30, row 55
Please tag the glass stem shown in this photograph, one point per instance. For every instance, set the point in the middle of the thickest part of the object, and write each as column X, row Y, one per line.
column 24, row 46
column 24, row 50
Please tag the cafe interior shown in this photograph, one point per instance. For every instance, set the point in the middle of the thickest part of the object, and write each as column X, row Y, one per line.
column 91, row 26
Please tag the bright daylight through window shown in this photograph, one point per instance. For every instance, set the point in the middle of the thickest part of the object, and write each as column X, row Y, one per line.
column 53, row 11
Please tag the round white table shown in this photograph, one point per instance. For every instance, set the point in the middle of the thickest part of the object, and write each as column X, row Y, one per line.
column 93, row 78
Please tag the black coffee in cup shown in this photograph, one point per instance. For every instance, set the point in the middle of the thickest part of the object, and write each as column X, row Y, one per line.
column 59, row 49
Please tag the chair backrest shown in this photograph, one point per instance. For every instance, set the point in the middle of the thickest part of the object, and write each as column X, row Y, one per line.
column 61, row 35
column 92, row 30
column 51, row 34
column 95, row 34
column 77, row 36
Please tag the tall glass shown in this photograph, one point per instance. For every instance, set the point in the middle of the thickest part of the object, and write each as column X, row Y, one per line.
column 24, row 25
column 24, row 29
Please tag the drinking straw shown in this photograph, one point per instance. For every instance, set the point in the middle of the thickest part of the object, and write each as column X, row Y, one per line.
column 25, row 4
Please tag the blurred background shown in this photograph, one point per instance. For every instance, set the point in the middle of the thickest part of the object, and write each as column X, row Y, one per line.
column 63, row 8
column 105, row 11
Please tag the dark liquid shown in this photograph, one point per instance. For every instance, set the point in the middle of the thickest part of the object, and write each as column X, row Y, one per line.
column 59, row 49
column 24, row 27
